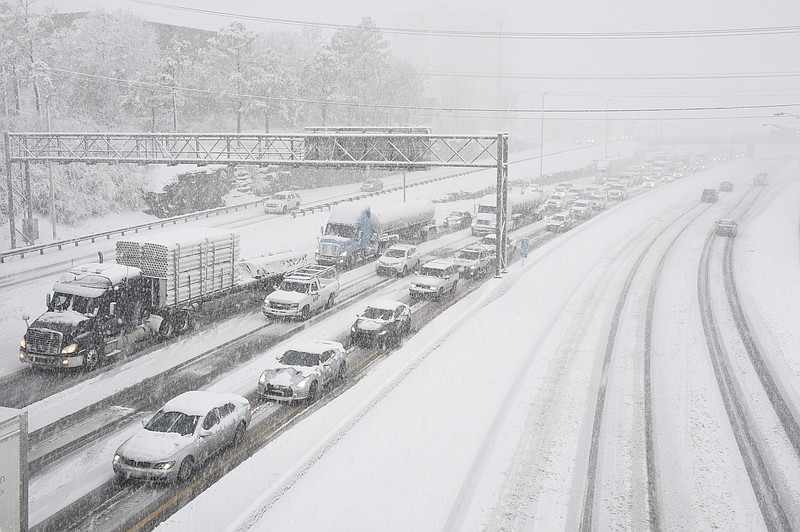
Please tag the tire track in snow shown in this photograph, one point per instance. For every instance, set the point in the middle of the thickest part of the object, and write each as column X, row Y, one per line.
column 587, row 511
column 654, row 500
column 743, row 426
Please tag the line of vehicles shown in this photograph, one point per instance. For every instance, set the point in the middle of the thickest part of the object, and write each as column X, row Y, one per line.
column 160, row 286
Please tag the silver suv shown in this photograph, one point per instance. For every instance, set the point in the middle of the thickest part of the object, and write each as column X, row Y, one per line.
column 435, row 279
column 398, row 260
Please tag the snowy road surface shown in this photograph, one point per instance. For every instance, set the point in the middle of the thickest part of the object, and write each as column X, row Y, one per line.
column 484, row 419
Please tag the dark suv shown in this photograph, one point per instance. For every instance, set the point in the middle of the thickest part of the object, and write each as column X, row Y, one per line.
column 710, row 195
column 383, row 323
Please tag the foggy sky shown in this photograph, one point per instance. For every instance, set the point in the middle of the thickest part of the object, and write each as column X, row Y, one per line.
column 565, row 58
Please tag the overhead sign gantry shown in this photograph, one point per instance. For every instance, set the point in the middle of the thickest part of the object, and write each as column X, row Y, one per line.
column 380, row 148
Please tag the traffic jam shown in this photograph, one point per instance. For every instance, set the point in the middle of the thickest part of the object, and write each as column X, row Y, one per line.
column 397, row 244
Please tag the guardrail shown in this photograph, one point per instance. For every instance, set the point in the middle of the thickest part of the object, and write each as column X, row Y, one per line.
column 60, row 244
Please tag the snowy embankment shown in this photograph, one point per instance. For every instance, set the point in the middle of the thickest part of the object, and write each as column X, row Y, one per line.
column 425, row 440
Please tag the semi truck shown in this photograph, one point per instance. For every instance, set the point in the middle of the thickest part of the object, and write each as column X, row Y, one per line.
column 155, row 290
column 522, row 208
column 357, row 232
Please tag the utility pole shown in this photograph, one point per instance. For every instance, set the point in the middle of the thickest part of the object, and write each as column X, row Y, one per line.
column 50, row 177
column 541, row 142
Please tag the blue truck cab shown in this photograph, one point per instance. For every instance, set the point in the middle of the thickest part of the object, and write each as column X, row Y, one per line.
column 347, row 237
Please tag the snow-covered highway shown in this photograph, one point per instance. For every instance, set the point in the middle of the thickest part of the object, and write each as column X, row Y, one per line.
column 484, row 419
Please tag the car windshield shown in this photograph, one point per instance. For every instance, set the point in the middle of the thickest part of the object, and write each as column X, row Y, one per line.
column 581, row 204
column 294, row 286
column 85, row 305
column 280, row 196
column 433, row 272
column 176, row 422
column 487, row 209
column 558, row 218
column 395, row 253
column 299, row 358
column 378, row 313
column 344, row 231
column 454, row 214
column 469, row 255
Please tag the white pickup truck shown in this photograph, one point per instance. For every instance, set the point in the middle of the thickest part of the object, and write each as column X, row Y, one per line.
column 303, row 292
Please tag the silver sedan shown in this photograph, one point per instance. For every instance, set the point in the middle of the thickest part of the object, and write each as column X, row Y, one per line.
column 182, row 435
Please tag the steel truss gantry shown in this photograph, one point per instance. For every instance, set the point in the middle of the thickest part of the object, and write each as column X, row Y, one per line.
column 391, row 151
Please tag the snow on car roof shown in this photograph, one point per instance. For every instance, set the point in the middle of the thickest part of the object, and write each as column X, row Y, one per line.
column 315, row 347
column 384, row 304
column 438, row 264
column 198, row 403
column 404, row 247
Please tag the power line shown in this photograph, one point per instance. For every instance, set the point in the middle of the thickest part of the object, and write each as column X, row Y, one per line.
column 676, row 94
column 419, row 107
column 432, row 32
column 620, row 77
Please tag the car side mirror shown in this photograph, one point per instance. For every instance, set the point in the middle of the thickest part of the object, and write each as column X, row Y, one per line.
column 26, row 317
column 48, row 299
column 144, row 422
column 204, row 433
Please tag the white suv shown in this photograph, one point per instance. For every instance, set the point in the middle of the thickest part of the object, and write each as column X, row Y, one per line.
column 434, row 279
column 398, row 260
column 282, row 202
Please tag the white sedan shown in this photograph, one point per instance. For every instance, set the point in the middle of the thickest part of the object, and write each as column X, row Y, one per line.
column 182, row 435
column 302, row 372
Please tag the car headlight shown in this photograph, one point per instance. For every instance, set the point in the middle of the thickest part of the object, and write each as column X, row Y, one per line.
column 295, row 306
column 412, row 285
column 164, row 466
column 266, row 303
column 343, row 254
column 434, row 288
column 263, row 378
column 23, row 343
column 382, row 333
column 117, row 458
column 304, row 383
column 68, row 350
column 353, row 329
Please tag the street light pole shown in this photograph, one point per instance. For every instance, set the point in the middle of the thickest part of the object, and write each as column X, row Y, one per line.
column 541, row 142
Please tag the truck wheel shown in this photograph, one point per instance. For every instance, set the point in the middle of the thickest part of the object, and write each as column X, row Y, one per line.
column 92, row 358
column 183, row 322
column 167, row 328
column 305, row 313
column 331, row 301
